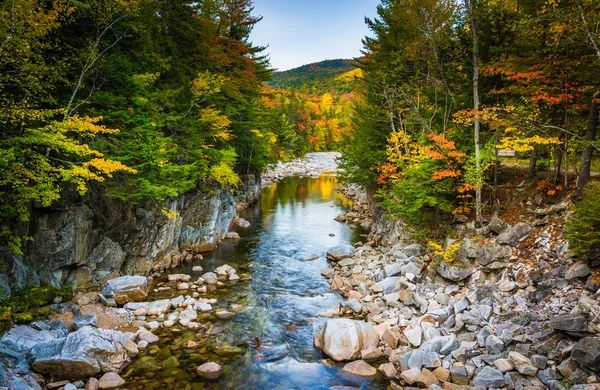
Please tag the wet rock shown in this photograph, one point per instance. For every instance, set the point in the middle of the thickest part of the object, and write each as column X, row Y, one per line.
column 577, row 270
column 340, row 252
column 490, row 378
column 197, row 269
column 241, row 222
column 312, row 257
column 224, row 314
column 210, row 278
column 126, row 289
column 149, row 337
column 569, row 323
column 587, row 352
column 360, row 367
column 84, row 353
column 110, row 380
column 231, row 236
column 522, row 363
column 210, row 370
column 344, row 339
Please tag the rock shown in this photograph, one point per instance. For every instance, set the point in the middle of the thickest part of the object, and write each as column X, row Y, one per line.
column 82, row 320
column 413, row 336
column 489, row 378
column 410, row 376
column 92, row 384
column 110, row 380
column 412, row 250
column 569, row 323
column 426, row 378
column 57, row 384
column 179, row 278
column 587, row 352
column 360, row 367
column 70, row 386
column 108, row 302
column 224, row 314
column 149, row 337
column 442, row 373
column 497, row 225
column 22, row 338
column 388, row 285
column 197, row 269
column 15, row 372
column 494, row 345
column 343, row 339
column 87, row 352
column 522, row 363
column 210, row 370
column 188, row 314
column 241, row 222
column 453, row 272
column 515, row 234
column 210, row 278
column 312, row 257
column 340, row 252
column 84, row 300
column 388, row 370
column 503, row 365
column 442, row 345
column 390, row 338
column 126, row 289
column 231, row 236
column 577, row 270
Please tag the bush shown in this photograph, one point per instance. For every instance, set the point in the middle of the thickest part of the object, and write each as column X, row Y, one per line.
column 583, row 228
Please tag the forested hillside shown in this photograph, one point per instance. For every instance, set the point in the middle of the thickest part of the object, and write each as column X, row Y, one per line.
column 316, row 78
column 448, row 86
column 138, row 99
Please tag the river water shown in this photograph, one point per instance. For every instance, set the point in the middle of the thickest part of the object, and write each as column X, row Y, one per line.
column 269, row 342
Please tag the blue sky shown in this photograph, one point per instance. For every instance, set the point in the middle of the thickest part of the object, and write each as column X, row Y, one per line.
column 299, row 32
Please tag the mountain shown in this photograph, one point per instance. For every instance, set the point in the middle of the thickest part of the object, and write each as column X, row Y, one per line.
column 316, row 78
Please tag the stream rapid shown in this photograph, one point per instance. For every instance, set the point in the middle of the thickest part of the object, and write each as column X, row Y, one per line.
column 268, row 344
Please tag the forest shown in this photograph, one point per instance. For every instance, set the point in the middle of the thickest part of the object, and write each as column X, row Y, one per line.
column 449, row 88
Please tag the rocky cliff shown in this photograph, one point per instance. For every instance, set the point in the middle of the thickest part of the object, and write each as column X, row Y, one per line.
column 84, row 242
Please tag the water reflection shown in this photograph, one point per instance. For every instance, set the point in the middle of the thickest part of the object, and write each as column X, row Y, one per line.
column 268, row 344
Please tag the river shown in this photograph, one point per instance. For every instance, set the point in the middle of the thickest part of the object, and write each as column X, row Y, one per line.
column 269, row 342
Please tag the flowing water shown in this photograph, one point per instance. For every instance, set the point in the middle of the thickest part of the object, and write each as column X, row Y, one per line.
column 269, row 342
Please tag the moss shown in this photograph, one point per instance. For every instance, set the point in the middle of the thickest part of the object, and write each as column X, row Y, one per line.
column 25, row 305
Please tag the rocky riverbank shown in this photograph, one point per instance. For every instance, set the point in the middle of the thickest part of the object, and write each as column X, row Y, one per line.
column 312, row 165
column 503, row 307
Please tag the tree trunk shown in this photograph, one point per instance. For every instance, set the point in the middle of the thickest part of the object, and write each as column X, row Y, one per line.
column 586, row 155
column 558, row 155
column 531, row 171
column 478, row 205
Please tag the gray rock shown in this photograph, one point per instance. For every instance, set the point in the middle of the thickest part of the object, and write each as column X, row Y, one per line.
column 106, row 260
column 4, row 286
column 109, row 302
column 110, row 380
column 15, row 372
column 344, row 339
column 393, row 269
column 210, row 370
column 515, row 234
column 82, row 354
column 461, row 305
column 522, row 363
column 577, row 270
column 494, row 345
column 82, row 320
column 340, row 252
column 587, row 352
column 70, row 386
column 490, row 378
column 126, row 289
column 569, row 323
column 442, row 345
column 412, row 250
column 497, row 225
column 23, row 338
column 453, row 272
column 388, row 285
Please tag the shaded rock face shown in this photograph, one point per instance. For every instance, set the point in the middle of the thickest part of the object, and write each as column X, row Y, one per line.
column 344, row 339
column 14, row 371
column 587, row 352
column 84, row 244
column 84, row 353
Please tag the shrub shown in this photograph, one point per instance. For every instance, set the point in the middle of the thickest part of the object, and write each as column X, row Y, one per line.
column 583, row 228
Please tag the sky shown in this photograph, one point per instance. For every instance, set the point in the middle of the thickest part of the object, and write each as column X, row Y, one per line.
column 300, row 32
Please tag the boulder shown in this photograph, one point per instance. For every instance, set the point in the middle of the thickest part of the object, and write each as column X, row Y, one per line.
column 360, row 367
column 79, row 321
column 126, row 289
column 340, row 252
column 15, row 372
column 23, row 338
column 569, row 323
column 497, row 225
column 587, row 352
column 577, row 270
column 515, row 234
column 343, row 339
column 210, row 370
column 455, row 273
column 83, row 354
